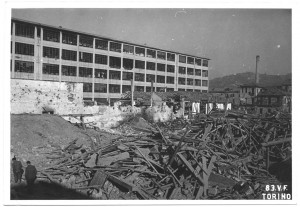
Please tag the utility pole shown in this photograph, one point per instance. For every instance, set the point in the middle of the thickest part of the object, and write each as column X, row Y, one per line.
column 256, row 74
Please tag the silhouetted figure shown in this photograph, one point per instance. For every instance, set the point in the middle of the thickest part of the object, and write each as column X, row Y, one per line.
column 17, row 170
column 30, row 175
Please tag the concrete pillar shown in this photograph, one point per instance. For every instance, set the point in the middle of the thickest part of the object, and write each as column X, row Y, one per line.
column 60, row 55
column 13, row 50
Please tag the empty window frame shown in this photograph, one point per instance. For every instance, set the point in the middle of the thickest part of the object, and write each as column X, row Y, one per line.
column 160, row 89
column 151, row 53
column 127, row 76
column 50, row 69
column 204, row 91
column 115, row 47
column 205, row 63
column 198, row 72
column 85, row 41
column 170, row 89
column 181, row 81
column 85, row 57
column 150, row 78
column 190, row 90
column 197, row 90
column 205, row 73
column 101, row 59
column 139, row 88
column 69, row 55
column 127, row 64
column 51, row 52
column 100, row 88
column 148, row 88
column 114, row 75
column 115, row 62
column 24, row 49
column 87, row 87
column 190, row 60
column 85, row 72
column 182, row 59
column 101, row 73
column 139, row 77
column 204, row 83
column 160, row 79
column 69, row 38
column 113, row 88
column 24, row 66
column 181, row 89
column 170, row 57
column 24, row 30
column 161, row 67
column 161, row 55
column 140, row 51
column 190, row 81
column 128, row 49
column 139, row 64
column 181, row 70
column 170, row 80
column 101, row 44
column 170, row 68
column 67, row 70
column 150, row 66
column 190, row 71
column 51, row 35
column 126, row 88
column 197, row 82
column 198, row 61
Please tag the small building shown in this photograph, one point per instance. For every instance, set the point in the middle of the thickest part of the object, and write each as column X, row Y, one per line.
column 248, row 92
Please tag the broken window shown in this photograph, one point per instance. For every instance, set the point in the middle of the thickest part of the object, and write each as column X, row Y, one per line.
column 51, row 35
column 128, row 49
column 170, row 89
column 115, row 47
column 150, row 66
column 113, row 88
column 161, row 67
column 197, row 90
column 126, row 88
column 204, row 91
column 160, row 79
column 181, row 81
column 127, row 76
column 69, row 55
column 24, row 66
column 198, row 61
column 151, row 53
column 51, row 52
column 115, row 75
column 181, row 70
column 190, row 81
column 198, row 72
column 170, row 80
column 181, row 89
column 67, row 70
column 170, row 68
column 190, row 60
column 101, row 44
column 85, row 57
column 101, row 73
column 69, row 38
column 189, row 90
column 139, row 77
column 127, row 64
column 115, row 62
column 24, row 30
column 24, row 49
column 85, row 72
column 100, row 88
column 150, row 78
column 190, row 71
column 160, row 89
column 148, row 88
column 161, row 55
column 197, row 82
column 140, row 51
column 205, row 73
column 205, row 63
column 87, row 87
column 85, row 41
column 139, row 88
column 170, row 57
column 101, row 59
column 204, row 83
column 50, row 69
column 139, row 64
column 182, row 59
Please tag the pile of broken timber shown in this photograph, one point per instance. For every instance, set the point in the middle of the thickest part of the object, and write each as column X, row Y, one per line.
column 176, row 160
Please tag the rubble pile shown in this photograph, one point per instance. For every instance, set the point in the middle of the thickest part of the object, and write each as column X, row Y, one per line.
column 211, row 157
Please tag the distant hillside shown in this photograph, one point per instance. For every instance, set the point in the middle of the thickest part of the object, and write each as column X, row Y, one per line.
column 232, row 81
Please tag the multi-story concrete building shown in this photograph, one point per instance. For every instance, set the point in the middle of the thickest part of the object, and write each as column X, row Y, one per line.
column 105, row 66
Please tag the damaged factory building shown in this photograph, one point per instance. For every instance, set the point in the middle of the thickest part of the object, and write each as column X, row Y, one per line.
column 107, row 119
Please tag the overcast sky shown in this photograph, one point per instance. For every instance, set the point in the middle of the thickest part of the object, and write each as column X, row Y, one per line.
column 231, row 38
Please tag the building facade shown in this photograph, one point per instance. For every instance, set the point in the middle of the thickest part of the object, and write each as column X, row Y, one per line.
column 104, row 66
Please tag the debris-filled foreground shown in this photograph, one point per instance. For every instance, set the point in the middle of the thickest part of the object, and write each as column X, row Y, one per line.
column 210, row 157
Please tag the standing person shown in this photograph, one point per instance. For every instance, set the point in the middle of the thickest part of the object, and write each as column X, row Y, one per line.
column 30, row 175
column 17, row 169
